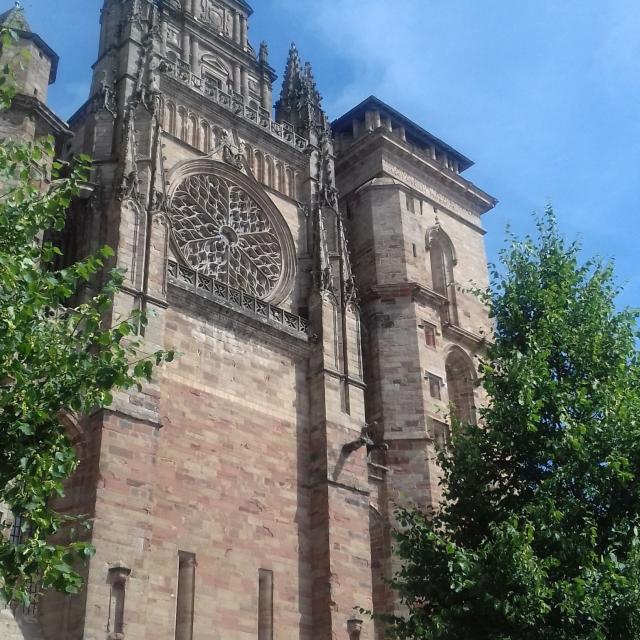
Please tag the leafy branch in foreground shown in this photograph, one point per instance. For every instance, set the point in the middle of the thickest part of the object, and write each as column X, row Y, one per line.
column 538, row 535
column 55, row 359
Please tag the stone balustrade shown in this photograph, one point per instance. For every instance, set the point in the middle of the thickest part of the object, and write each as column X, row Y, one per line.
column 240, row 301
column 235, row 103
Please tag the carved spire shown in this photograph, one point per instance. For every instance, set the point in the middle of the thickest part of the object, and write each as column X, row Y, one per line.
column 312, row 95
column 291, row 82
column 300, row 101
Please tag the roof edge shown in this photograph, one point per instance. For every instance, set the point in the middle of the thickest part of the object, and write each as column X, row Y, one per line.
column 416, row 129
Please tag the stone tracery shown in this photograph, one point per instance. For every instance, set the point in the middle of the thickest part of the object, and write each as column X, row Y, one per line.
column 222, row 232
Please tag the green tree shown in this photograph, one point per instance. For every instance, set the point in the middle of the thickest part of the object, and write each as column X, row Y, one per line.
column 54, row 358
column 538, row 538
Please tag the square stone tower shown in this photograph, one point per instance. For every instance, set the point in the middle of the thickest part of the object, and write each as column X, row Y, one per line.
column 306, row 274
column 417, row 241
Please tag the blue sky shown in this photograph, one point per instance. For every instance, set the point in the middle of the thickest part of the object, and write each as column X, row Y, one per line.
column 542, row 94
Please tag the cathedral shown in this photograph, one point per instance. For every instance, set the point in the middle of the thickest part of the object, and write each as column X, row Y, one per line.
column 310, row 275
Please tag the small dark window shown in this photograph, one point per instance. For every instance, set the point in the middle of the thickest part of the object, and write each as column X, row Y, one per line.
column 185, row 596
column 415, row 251
column 411, row 206
column 430, row 335
column 435, row 386
column 265, row 605
column 440, row 434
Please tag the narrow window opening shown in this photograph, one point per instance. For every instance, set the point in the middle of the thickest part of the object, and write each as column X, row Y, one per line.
column 430, row 335
column 185, row 596
column 435, row 386
column 415, row 251
column 440, row 435
column 410, row 203
column 118, row 576
column 265, row 605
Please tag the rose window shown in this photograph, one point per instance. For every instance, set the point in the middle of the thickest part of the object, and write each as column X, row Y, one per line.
column 221, row 231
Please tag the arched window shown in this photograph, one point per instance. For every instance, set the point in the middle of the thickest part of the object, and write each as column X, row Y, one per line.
column 170, row 118
column 259, row 169
column 288, row 185
column 248, row 154
column 280, row 178
column 461, row 384
column 192, row 138
column 182, row 123
column 269, row 177
column 205, row 136
column 443, row 259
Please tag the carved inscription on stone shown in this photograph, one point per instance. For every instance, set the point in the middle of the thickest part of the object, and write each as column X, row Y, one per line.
column 220, row 231
column 429, row 191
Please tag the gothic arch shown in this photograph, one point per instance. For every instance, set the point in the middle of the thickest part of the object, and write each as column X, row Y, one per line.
column 170, row 118
column 289, row 182
column 75, row 433
column 248, row 154
column 268, row 172
column 461, row 383
column 192, row 135
column 259, row 166
column 205, row 136
column 443, row 259
column 182, row 124
column 279, row 181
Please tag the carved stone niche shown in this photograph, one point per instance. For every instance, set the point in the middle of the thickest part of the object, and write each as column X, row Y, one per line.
column 117, row 579
column 354, row 627
column 226, row 228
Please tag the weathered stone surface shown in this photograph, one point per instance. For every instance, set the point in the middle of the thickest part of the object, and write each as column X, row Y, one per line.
column 310, row 293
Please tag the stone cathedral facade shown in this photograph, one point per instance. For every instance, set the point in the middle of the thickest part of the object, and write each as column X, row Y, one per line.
column 306, row 273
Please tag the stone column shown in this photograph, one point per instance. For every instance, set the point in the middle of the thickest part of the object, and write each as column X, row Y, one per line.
column 195, row 56
column 245, row 84
column 368, row 120
column 186, row 46
column 243, row 32
column 237, row 78
column 236, row 27
column 194, row 7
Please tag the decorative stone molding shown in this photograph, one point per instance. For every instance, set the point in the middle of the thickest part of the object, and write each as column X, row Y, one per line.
column 235, row 103
column 239, row 301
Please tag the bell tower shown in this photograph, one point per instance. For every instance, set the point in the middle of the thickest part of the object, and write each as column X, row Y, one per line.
column 34, row 65
column 221, row 488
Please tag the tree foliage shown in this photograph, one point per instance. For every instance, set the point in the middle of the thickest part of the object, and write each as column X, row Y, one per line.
column 538, row 538
column 54, row 358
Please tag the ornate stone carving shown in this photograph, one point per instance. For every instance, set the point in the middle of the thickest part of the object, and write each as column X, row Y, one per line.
column 220, row 230
column 213, row 14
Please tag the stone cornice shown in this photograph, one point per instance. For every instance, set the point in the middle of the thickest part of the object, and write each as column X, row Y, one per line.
column 471, row 339
column 381, row 138
column 41, row 112
column 404, row 290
